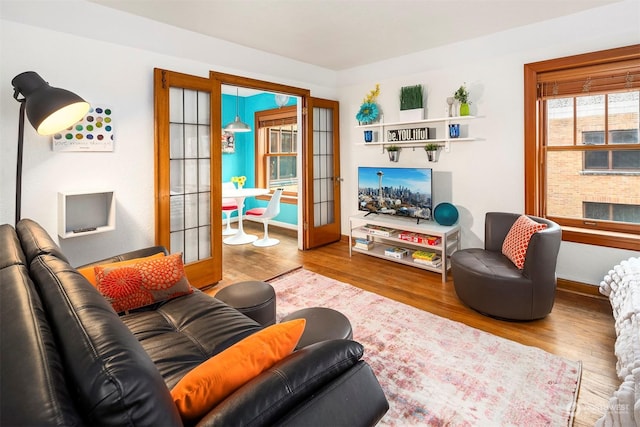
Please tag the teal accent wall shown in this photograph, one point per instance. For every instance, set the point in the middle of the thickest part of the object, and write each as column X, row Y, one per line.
column 234, row 164
column 242, row 162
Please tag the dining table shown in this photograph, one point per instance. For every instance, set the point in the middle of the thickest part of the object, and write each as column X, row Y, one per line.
column 239, row 194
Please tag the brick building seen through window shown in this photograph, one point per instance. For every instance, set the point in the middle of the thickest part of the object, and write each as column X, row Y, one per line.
column 592, row 178
column 582, row 155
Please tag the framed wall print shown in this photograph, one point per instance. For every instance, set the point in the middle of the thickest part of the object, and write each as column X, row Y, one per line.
column 93, row 133
column 228, row 143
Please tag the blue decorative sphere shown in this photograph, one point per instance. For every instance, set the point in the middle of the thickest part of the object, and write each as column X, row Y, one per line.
column 445, row 214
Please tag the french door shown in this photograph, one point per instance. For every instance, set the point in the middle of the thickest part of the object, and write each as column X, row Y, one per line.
column 188, row 165
column 187, row 173
column 322, row 174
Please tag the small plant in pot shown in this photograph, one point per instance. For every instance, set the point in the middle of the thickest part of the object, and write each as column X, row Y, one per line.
column 411, row 103
column 462, row 96
column 432, row 152
column 394, row 152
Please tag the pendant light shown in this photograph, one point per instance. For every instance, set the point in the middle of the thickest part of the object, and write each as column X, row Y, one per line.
column 281, row 100
column 237, row 125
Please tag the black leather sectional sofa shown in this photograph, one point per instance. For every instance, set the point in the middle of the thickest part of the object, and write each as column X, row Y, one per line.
column 67, row 358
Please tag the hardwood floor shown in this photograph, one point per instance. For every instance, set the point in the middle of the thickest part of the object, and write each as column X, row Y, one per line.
column 579, row 327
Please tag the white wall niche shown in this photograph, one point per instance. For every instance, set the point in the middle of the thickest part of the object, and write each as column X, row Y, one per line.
column 87, row 212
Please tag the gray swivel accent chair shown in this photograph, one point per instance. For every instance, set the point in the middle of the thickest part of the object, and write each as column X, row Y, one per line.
column 488, row 282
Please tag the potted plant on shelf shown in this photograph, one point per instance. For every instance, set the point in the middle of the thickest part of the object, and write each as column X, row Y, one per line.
column 432, row 152
column 462, row 96
column 411, row 103
column 394, row 152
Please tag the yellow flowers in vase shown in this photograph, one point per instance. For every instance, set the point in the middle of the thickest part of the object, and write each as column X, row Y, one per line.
column 239, row 181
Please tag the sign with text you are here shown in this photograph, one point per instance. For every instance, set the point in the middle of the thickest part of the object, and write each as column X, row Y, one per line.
column 413, row 134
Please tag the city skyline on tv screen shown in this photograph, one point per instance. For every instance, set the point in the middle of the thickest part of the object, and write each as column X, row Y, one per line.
column 395, row 191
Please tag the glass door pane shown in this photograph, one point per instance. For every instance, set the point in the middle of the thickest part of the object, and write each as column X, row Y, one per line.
column 323, row 173
column 322, row 160
column 190, row 164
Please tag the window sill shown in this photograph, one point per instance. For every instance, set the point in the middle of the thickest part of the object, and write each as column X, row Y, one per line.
column 608, row 239
column 593, row 172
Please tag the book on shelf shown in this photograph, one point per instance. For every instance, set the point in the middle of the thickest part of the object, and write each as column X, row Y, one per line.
column 363, row 244
column 410, row 236
column 433, row 263
column 379, row 230
column 426, row 255
column 363, row 247
column 396, row 252
column 433, row 240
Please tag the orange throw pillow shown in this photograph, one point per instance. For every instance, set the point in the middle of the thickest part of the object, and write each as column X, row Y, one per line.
column 210, row 382
column 516, row 243
column 90, row 273
column 143, row 283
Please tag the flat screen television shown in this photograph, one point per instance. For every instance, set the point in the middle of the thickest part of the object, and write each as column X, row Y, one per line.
column 404, row 192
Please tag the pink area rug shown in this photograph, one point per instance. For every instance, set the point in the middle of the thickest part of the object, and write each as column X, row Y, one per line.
column 437, row 372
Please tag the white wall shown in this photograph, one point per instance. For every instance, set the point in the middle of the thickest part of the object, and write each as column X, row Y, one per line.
column 111, row 74
column 486, row 174
column 108, row 57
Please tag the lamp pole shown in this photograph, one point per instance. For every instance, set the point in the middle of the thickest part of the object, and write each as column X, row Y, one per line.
column 19, row 162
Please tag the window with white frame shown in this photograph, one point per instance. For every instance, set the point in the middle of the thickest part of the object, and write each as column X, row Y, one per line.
column 277, row 151
column 282, row 157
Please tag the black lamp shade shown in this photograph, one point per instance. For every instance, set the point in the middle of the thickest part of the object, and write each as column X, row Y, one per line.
column 48, row 109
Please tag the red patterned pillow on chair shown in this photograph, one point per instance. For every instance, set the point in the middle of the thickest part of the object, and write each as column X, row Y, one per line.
column 143, row 283
column 516, row 243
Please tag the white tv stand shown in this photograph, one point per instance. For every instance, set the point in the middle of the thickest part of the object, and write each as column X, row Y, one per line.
column 449, row 239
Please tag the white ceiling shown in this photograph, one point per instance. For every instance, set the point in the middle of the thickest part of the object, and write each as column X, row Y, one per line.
column 342, row 34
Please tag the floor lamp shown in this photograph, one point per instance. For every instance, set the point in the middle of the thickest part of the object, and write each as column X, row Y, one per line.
column 48, row 109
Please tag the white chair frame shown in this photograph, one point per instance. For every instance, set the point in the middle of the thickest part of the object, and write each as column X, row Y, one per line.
column 228, row 231
column 264, row 215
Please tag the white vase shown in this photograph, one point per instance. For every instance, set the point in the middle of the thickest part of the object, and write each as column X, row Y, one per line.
column 414, row 115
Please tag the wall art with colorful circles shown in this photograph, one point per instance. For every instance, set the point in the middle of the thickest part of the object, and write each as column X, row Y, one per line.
column 93, row 133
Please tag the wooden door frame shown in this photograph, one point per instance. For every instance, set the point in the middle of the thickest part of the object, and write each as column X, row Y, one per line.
column 204, row 272
column 328, row 233
column 220, row 79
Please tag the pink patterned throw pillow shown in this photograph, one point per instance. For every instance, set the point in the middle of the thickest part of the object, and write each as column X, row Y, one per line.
column 516, row 243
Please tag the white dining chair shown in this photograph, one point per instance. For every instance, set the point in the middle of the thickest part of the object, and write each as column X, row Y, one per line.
column 228, row 206
column 265, row 214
